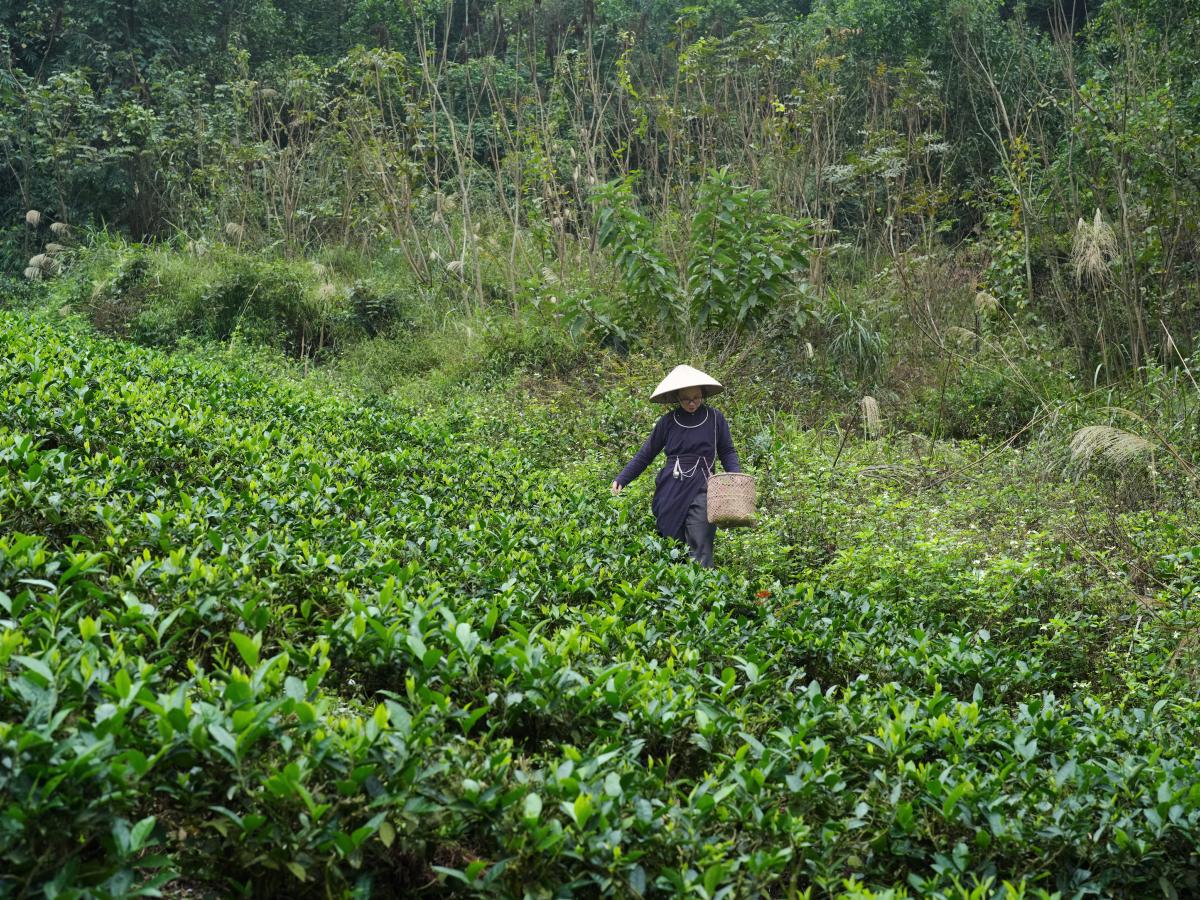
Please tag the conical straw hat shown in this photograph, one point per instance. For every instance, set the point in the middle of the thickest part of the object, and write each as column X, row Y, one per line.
column 682, row 377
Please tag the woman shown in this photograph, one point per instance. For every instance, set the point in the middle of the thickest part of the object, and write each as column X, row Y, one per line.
column 693, row 436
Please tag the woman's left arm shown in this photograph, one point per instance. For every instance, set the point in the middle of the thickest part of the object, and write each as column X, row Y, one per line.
column 729, row 457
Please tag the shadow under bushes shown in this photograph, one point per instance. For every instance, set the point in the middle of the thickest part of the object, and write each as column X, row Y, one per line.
column 265, row 301
column 162, row 296
column 988, row 399
column 529, row 346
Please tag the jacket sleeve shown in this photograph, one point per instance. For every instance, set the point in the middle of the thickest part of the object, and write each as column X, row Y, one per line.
column 653, row 446
column 729, row 457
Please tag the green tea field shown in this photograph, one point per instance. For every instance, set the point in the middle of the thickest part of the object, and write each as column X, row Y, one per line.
column 260, row 636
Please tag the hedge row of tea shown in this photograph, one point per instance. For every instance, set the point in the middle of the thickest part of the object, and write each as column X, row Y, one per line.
column 257, row 638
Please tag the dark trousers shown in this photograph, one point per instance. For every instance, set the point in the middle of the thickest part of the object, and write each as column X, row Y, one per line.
column 699, row 532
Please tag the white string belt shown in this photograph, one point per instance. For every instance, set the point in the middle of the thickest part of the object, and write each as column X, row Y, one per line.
column 680, row 472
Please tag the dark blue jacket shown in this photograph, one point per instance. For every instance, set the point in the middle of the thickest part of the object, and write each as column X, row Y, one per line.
column 692, row 443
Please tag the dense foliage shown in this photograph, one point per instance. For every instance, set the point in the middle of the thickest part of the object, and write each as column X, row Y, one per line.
column 323, row 327
column 977, row 137
column 263, row 637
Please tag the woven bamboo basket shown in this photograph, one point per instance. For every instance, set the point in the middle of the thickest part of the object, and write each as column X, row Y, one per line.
column 731, row 499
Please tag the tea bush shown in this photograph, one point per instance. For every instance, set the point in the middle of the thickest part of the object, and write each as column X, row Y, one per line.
column 260, row 637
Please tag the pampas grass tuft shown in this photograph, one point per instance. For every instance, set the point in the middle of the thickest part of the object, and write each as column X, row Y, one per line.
column 33, row 273
column 33, row 218
column 1094, row 247
column 985, row 304
column 62, row 229
column 1105, row 443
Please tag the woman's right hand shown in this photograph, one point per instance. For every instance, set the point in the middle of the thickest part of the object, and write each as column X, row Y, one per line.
column 616, row 488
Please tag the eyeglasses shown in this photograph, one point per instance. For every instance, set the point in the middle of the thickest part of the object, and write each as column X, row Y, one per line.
column 691, row 399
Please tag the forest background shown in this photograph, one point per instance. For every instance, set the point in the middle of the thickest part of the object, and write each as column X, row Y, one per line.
column 1008, row 185
column 275, row 279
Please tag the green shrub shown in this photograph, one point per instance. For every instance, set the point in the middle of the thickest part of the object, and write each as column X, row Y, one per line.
column 742, row 260
column 986, row 399
column 160, row 295
column 273, row 302
column 524, row 345
column 379, row 364
column 851, row 338
column 17, row 291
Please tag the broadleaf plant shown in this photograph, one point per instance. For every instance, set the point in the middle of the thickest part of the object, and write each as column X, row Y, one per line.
column 743, row 261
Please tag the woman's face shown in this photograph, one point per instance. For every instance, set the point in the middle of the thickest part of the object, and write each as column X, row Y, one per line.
column 689, row 399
